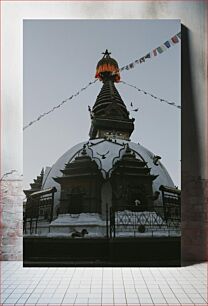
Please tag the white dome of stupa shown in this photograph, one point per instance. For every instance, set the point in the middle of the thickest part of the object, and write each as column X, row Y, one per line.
column 112, row 150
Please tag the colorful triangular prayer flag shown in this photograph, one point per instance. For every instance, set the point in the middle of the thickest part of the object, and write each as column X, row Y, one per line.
column 131, row 65
column 179, row 35
column 142, row 59
column 163, row 47
column 155, row 52
column 175, row 39
column 147, row 55
column 167, row 44
column 160, row 50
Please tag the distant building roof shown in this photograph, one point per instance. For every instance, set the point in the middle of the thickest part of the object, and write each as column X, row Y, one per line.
column 43, row 192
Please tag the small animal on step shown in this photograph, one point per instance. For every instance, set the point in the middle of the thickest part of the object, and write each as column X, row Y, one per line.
column 79, row 234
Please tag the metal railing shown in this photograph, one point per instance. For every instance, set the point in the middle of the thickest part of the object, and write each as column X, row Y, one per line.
column 39, row 207
column 138, row 222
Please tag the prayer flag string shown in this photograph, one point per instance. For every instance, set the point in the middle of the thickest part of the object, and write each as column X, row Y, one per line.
column 153, row 96
column 59, row 105
column 165, row 46
column 159, row 50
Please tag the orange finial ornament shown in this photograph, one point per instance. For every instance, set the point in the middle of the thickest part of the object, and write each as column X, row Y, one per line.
column 107, row 68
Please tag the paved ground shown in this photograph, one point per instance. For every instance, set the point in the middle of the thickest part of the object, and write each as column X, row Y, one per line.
column 103, row 286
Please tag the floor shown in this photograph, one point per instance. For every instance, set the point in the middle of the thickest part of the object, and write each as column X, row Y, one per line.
column 103, row 286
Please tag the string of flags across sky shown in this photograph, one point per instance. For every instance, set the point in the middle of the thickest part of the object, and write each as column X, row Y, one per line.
column 153, row 96
column 157, row 51
column 59, row 105
column 164, row 47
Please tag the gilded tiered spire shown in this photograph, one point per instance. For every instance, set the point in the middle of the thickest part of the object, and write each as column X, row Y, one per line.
column 110, row 117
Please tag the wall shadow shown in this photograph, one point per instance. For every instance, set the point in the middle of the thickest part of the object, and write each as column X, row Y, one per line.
column 193, row 226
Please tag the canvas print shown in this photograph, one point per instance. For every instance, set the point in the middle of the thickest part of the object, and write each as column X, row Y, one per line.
column 102, row 158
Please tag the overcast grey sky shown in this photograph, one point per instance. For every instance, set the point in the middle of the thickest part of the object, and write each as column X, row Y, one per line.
column 60, row 57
